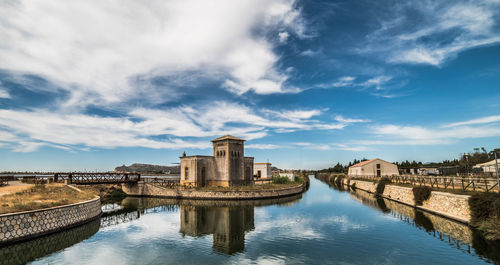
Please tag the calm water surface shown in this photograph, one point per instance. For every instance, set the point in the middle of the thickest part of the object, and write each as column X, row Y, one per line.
column 323, row 226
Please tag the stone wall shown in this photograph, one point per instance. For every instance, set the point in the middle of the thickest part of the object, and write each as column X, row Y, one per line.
column 400, row 194
column 147, row 189
column 450, row 205
column 24, row 225
column 364, row 185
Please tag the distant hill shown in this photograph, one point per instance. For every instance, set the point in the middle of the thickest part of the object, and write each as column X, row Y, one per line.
column 146, row 168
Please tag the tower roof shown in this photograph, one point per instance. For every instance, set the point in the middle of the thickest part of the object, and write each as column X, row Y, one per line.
column 227, row 137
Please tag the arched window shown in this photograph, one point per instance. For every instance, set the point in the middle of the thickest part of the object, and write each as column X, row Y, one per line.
column 186, row 173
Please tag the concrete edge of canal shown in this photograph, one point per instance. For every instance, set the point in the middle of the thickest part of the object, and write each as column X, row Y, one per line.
column 21, row 226
column 150, row 190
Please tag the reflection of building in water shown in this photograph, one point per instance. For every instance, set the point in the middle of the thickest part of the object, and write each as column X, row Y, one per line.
column 227, row 224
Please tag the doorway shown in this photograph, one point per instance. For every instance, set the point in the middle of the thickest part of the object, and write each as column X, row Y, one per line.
column 203, row 177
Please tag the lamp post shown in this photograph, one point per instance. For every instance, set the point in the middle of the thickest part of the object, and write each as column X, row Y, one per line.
column 467, row 163
column 496, row 167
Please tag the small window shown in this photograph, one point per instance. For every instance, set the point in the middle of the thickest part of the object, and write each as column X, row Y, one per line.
column 378, row 166
column 186, row 173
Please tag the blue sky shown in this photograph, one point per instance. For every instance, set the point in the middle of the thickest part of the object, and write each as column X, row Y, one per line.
column 89, row 85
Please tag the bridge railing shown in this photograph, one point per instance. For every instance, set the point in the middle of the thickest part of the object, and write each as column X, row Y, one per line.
column 98, row 178
column 455, row 183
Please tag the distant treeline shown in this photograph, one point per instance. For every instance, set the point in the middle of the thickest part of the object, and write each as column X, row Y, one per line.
column 147, row 168
column 466, row 160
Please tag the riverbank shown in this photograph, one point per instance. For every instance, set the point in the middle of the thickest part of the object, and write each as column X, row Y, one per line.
column 42, row 209
column 477, row 209
column 26, row 197
column 452, row 206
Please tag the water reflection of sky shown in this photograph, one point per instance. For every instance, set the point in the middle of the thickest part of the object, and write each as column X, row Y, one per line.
column 325, row 226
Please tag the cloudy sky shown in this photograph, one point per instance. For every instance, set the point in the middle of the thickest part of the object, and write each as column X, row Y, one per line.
column 89, row 85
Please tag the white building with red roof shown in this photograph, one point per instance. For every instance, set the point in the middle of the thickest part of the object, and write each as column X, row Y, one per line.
column 373, row 167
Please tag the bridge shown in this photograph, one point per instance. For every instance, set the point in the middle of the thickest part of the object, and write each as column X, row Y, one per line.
column 97, row 178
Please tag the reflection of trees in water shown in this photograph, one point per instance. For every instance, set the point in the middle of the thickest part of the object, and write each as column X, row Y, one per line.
column 422, row 221
column 454, row 234
column 25, row 252
column 381, row 205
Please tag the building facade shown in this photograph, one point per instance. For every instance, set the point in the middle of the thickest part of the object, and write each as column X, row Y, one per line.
column 227, row 166
column 374, row 167
column 262, row 170
column 488, row 167
column 289, row 175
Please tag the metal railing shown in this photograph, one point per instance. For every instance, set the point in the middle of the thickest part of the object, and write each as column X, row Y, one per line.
column 98, row 178
column 460, row 183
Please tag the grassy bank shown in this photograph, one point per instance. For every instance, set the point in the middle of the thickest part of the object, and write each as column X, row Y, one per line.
column 42, row 196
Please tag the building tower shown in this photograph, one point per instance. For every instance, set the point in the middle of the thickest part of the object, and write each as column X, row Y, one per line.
column 229, row 160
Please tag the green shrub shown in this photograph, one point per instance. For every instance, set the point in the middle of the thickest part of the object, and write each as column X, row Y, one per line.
column 421, row 194
column 299, row 179
column 485, row 213
column 484, row 206
column 280, row 180
column 381, row 185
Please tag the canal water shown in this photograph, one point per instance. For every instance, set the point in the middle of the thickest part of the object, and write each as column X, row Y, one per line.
column 326, row 225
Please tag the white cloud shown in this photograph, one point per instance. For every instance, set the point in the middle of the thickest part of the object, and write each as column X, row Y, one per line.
column 340, row 118
column 4, row 94
column 418, row 135
column 310, row 52
column 377, row 82
column 93, row 49
column 448, row 28
column 344, row 81
column 283, row 36
column 483, row 120
column 151, row 128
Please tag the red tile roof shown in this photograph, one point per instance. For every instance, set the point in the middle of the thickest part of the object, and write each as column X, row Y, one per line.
column 360, row 164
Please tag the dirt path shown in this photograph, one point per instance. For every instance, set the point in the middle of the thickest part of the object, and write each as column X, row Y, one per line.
column 13, row 187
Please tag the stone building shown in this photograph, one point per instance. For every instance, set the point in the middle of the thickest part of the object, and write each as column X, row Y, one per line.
column 375, row 167
column 227, row 166
column 262, row 170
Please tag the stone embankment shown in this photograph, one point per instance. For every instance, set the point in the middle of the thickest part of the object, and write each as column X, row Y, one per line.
column 151, row 190
column 449, row 205
column 20, row 226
